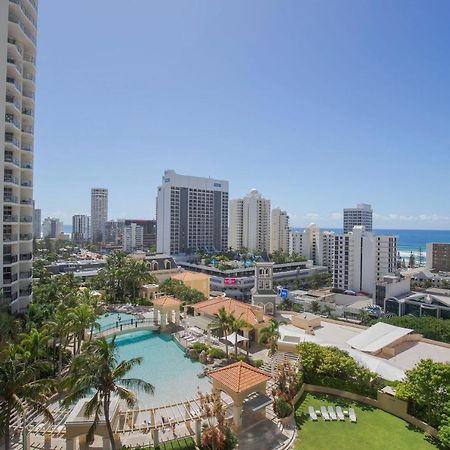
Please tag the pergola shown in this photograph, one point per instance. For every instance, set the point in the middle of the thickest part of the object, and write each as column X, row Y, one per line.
column 239, row 381
column 166, row 310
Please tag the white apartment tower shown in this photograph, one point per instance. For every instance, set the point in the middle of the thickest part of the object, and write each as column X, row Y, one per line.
column 191, row 214
column 133, row 238
column 250, row 222
column 81, row 228
column 99, row 213
column 279, row 231
column 361, row 215
column 363, row 259
column 52, row 228
column 18, row 32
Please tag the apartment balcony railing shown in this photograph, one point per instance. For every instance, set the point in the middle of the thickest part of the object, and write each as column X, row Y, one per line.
column 26, row 201
column 13, row 41
column 26, row 166
column 11, row 179
column 26, row 236
column 9, row 118
column 11, row 60
column 26, row 219
column 28, row 130
column 12, row 159
column 10, row 99
column 10, row 237
column 14, row 82
column 29, row 77
column 27, row 147
column 10, row 259
column 26, row 256
column 34, row 4
column 10, row 198
column 28, row 112
column 11, row 139
column 25, row 292
column 10, row 218
column 10, row 297
column 25, row 275
column 11, row 278
column 24, row 10
column 28, row 94
column 29, row 59
column 26, row 183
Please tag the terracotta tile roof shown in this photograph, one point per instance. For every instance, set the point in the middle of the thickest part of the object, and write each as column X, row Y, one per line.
column 166, row 300
column 188, row 276
column 238, row 309
column 239, row 377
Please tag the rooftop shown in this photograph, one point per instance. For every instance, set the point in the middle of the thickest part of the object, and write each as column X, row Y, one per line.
column 239, row 377
column 167, row 300
column 190, row 276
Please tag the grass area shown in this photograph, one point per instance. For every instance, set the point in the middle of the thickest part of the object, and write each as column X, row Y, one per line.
column 178, row 444
column 375, row 429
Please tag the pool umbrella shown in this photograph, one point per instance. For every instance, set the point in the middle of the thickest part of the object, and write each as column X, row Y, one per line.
column 234, row 337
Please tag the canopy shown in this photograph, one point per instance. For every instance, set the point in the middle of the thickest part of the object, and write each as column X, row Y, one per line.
column 234, row 337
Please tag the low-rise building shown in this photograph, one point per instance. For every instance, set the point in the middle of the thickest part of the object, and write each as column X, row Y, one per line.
column 194, row 280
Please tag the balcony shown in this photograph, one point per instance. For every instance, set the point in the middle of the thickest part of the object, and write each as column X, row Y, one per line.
column 14, row 42
column 10, row 198
column 28, row 130
column 9, row 118
column 26, row 166
column 28, row 112
column 12, row 61
column 10, row 237
column 11, row 179
column 26, row 256
column 10, row 218
column 26, row 201
column 11, row 159
column 25, row 292
column 10, row 278
column 26, row 183
column 10, row 297
column 27, row 147
column 29, row 76
column 29, row 59
column 26, row 219
column 25, row 275
column 11, row 100
column 10, row 259
column 11, row 139
column 26, row 236
column 20, row 4
column 28, row 94
column 15, row 83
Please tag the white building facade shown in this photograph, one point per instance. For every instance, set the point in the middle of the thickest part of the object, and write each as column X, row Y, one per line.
column 99, row 213
column 18, row 33
column 81, row 230
column 191, row 214
column 133, row 238
column 362, row 259
column 361, row 215
column 279, row 231
column 52, row 228
column 250, row 223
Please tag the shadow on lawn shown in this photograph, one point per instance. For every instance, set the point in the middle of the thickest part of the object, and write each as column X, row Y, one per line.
column 426, row 437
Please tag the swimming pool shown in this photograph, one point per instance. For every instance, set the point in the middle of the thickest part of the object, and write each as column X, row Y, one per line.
column 112, row 318
column 164, row 365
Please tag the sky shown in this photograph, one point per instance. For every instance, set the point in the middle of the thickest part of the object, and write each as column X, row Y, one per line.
column 317, row 104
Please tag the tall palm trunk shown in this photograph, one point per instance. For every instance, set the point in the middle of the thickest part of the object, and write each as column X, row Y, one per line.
column 6, row 430
column 235, row 345
column 106, row 401
column 224, row 332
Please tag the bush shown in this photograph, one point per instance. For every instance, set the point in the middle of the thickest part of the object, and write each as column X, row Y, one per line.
column 199, row 347
column 216, row 353
column 282, row 407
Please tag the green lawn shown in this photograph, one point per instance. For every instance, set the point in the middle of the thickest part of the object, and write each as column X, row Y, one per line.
column 374, row 430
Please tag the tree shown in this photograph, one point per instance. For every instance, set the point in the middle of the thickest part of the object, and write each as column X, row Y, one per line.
column 235, row 325
column 270, row 335
column 327, row 309
column 21, row 392
column 222, row 322
column 364, row 316
column 315, row 307
column 34, row 344
column 9, row 327
column 59, row 328
column 82, row 317
column 97, row 368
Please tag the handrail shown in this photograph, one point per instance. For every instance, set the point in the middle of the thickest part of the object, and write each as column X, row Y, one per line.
column 119, row 324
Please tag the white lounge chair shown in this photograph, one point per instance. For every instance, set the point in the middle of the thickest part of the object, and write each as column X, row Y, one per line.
column 312, row 413
column 351, row 414
column 324, row 413
column 332, row 413
column 339, row 413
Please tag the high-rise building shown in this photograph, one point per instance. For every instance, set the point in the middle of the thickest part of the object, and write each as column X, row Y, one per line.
column 191, row 214
column 114, row 232
column 52, row 228
column 81, row 228
column 149, row 230
column 133, row 237
column 363, row 259
column 99, row 213
column 37, row 222
column 250, row 222
column 438, row 256
column 18, row 33
column 279, row 231
column 361, row 215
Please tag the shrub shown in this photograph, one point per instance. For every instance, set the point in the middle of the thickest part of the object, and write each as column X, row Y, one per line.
column 216, row 353
column 282, row 407
column 200, row 346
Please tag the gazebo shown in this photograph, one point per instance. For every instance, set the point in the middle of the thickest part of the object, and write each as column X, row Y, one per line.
column 166, row 310
column 240, row 380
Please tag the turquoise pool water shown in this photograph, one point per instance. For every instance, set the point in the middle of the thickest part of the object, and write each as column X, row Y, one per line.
column 164, row 365
column 111, row 318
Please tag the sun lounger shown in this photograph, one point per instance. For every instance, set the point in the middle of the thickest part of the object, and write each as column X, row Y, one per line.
column 332, row 413
column 339, row 413
column 351, row 414
column 312, row 413
column 324, row 413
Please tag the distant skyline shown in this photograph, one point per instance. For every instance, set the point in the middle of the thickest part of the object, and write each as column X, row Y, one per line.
column 318, row 105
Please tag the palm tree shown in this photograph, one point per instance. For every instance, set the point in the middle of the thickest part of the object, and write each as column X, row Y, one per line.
column 82, row 317
column 59, row 328
column 222, row 322
column 21, row 393
column 315, row 307
column 364, row 316
column 9, row 327
column 270, row 335
column 97, row 368
column 327, row 309
column 34, row 343
column 236, row 325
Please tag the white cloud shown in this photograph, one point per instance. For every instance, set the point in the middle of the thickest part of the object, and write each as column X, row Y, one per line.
column 312, row 216
column 336, row 216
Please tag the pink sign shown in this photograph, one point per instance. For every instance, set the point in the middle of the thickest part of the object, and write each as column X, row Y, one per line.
column 230, row 281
